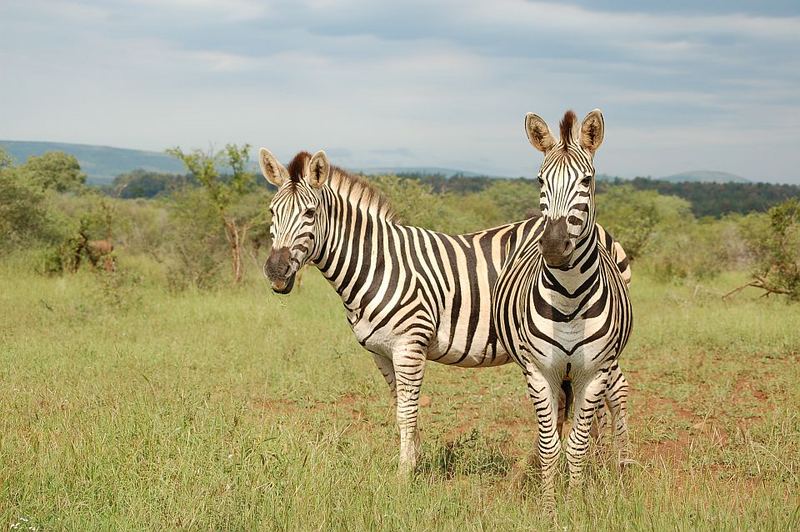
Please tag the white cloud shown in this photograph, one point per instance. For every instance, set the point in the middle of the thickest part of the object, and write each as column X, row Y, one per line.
column 230, row 10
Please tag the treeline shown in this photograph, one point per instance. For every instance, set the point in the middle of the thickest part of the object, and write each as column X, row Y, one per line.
column 716, row 199
column 706, row 199
column 210, row 226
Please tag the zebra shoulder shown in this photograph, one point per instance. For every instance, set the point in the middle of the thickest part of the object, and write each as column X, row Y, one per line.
column 617, row 253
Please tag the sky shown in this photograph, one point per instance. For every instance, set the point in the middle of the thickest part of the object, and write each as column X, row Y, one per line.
column 683, row 85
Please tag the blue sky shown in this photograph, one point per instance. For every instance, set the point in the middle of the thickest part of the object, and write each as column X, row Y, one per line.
column 712, row 85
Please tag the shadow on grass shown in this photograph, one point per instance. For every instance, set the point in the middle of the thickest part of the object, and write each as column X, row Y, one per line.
column 471, row 453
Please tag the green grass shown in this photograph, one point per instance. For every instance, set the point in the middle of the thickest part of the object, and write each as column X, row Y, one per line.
column 125, row 407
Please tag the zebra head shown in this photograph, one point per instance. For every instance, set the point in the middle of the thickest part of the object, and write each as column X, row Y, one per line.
column 566, row 179
column 294, row 207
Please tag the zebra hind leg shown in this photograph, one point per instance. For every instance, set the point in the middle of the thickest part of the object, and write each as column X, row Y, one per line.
column 409, row 368
column 387, row 370
column 617, row 398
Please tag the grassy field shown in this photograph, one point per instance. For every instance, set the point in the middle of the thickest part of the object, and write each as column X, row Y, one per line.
column 125, row 407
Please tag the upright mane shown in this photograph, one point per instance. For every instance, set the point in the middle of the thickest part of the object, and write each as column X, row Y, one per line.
column 297, row 168
column 359, row 191
column 354, row 188
column 566, row 126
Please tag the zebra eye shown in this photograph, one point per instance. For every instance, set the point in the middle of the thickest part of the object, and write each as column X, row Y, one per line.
column 310, row 212
column 541, row 181
column 586, row 181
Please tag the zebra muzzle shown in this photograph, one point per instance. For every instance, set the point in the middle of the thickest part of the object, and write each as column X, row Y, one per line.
column 278, row 270
column 556, row 244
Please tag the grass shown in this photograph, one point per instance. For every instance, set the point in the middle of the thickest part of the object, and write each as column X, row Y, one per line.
column 125, row 407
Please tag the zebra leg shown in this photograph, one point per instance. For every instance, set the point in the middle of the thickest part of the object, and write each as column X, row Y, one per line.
column 387, row 370
column 545, row 398
column 409, row 367
column 617, row 399
column 588, row 398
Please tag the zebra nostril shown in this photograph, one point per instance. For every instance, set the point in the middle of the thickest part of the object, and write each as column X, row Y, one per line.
column 568, row 247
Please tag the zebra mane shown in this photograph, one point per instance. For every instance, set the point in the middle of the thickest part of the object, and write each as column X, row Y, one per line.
column 354, row 188
column 359, row 191
column 297, row 168
column 566, row 125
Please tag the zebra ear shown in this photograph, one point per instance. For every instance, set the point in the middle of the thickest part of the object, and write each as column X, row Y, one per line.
column 538, row 133
column 592, row 130
column 318, row 169
column 274, row 171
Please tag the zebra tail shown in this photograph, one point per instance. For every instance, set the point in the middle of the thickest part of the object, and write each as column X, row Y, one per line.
column 566, row 386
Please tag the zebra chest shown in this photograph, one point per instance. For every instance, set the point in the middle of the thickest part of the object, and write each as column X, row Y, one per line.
column 582, row 343
column 374, row 334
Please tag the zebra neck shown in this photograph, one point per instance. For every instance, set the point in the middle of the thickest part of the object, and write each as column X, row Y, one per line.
column 351, row 254
column 580, row 273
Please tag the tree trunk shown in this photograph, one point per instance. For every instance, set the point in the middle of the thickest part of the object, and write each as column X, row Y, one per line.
column 236, row 236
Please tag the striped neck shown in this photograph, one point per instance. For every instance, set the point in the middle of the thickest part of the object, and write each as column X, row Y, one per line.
column 582, row 269
column 352, row 236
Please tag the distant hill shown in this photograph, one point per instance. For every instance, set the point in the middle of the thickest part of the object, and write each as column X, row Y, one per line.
column 417, row 171
column 704, row 176
column 100, row 163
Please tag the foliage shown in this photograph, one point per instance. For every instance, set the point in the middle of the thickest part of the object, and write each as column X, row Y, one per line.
column 6, row 160
column 145, row 184
column 717, row 199
column 54, row 170
column 774, row 240
column 196, row 247
column 24, row 217
column 236, row 213
column 638, row 219
column 415, row 203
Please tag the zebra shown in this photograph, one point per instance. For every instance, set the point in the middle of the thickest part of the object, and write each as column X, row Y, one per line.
column 561, row 304
column 410, row 294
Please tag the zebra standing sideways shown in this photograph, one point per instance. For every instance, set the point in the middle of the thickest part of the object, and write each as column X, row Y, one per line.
column 561, row 306
column 410, row 294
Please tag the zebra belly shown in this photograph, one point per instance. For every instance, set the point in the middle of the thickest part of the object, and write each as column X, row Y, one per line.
column 441, row 348
column 480, row 355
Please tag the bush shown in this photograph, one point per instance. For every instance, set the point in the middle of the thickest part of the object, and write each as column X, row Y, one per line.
column 25, row 218
column 197, row 247
column 774, row 240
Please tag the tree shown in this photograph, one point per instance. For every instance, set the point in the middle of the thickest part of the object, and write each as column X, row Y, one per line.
column 6, row 160
column 636, row 218
column 23, row 210
column 55, row 170
column 145, row 184
column 227, row 194
column 774, row 240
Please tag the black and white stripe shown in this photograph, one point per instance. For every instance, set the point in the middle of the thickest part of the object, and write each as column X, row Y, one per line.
column 410, row 294
column 561, row 304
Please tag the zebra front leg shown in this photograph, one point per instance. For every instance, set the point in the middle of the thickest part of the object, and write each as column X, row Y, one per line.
column 545, row 398
column 588, row 398
column 409, row 367
column 387, row 370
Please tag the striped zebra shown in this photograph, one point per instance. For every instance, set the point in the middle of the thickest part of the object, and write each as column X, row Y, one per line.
column 561, row 305
column 410, row 294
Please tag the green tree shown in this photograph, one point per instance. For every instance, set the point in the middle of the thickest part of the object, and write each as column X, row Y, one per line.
column 637, row 218
column 24, row 215
column 144, row 184
column 227, row 194
column 5, row 159
column 774, row 240
column 55, row 170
